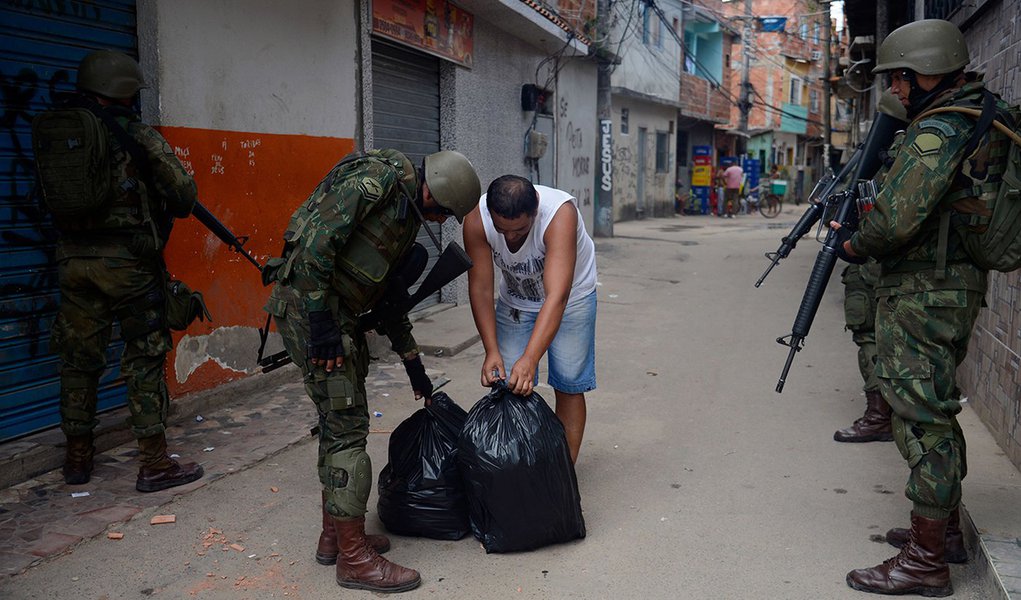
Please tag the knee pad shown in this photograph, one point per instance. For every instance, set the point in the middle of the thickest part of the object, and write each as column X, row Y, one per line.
column 347, row 478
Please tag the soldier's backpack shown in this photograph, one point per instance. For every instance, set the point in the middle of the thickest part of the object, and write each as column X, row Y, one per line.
column 72, row 157
column 988, row 217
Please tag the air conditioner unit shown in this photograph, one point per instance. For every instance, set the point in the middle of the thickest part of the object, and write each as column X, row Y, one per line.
column 816, row 54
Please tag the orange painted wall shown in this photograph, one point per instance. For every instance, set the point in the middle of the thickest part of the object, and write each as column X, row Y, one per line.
column 251, row 182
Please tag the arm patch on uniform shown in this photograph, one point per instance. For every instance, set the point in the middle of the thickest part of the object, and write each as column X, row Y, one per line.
column 942, row 126
column 370, row 188
column 927, row 147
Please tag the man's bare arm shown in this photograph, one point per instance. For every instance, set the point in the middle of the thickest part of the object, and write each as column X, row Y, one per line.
column 480, row 290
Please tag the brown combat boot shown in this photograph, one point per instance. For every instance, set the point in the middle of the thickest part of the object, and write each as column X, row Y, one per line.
column 919, row 568
column 158, row 470
column 326, row 551
column 78, row 459
column 873, row 426
column 956, row 552
column 360, row 567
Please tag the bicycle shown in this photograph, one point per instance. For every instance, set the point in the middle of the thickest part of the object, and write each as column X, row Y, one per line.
column 769, row 205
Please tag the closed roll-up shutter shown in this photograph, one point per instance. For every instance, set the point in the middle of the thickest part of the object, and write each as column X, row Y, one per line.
column 43, row 43
column 406, row 115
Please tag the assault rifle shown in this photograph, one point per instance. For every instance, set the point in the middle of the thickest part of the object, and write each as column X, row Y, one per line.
column 236, row 244
column 880, row 136
column 451, row 264
column 820, row 200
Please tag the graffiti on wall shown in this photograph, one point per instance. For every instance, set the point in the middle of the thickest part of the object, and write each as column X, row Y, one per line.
column 251, row 182
column 29, row 299
column 578, row 159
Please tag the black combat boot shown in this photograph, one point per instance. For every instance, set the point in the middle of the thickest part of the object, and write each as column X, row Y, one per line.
column 956, row 552
column 326, row 550
column 362, row 568
column 873, row 426
column 158, row 470
column 920, row 568
column 78, row 459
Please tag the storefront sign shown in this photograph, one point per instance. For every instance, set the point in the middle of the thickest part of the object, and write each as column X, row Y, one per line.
column 434, row 26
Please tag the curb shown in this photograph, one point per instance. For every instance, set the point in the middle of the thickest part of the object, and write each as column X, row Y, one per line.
column 45, row 451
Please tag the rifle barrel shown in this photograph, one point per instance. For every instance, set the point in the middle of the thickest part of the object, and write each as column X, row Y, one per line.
column 220, row 230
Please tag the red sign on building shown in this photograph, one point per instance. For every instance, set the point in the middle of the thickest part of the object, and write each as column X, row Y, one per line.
column 434, row 26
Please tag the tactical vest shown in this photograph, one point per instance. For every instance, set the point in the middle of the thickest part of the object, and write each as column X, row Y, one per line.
column 978, row 177
column 377, row 244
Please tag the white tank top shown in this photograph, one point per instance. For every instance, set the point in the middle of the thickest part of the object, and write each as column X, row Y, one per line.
column 521, row 282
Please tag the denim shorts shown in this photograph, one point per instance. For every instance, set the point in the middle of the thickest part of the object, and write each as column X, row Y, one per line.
column 571, row 356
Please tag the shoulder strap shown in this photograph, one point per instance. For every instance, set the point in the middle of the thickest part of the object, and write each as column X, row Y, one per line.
column 138, row 156
column 986, row 118
column 974, row 113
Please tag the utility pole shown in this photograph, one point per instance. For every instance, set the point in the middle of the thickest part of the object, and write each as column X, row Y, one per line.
column 604, row 113
column 746, row 86
column 826, row 117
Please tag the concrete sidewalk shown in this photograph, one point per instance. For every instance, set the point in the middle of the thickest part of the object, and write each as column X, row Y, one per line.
column 693, row 468
column 226, row 431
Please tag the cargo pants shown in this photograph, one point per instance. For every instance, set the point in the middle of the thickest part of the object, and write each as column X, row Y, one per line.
column 921, row 338
column 344, row 467
column 95, row 292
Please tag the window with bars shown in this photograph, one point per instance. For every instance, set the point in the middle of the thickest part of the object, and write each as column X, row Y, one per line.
column 662, row 152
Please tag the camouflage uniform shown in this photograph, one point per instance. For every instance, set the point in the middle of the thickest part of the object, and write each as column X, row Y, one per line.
column 926, row 311
column 343, row 244
column 110, row 267
column 860, row 317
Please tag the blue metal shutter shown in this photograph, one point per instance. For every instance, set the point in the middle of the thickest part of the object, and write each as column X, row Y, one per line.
column 406, row 116
column 42, row 45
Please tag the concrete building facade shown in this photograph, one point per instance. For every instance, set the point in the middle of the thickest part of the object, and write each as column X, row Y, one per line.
column 259, row 99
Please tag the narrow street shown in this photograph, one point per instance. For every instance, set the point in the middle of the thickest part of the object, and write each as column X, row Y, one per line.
column 697, row 479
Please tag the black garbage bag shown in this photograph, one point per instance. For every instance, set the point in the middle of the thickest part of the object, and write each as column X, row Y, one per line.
column 517, row 470
column 420, row 488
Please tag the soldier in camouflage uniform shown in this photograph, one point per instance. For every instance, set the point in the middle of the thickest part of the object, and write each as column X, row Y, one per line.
column 929, row 292
column 344, row 245
column 860, row 319
column 110, row 267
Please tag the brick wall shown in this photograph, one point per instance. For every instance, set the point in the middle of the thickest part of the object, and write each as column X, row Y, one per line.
column 991, row 374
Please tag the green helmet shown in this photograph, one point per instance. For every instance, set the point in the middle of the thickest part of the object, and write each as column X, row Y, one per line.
column 928, row 47
column 110, row 74
column 453, row 182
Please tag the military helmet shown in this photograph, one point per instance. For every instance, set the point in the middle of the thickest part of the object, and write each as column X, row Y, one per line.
column 928, row 47
column 110, row 74
column 453, row 182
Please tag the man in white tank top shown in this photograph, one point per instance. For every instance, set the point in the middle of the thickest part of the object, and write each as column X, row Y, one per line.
column 547, row 301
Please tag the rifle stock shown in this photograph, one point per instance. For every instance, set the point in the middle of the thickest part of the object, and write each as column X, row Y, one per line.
column 451, row 264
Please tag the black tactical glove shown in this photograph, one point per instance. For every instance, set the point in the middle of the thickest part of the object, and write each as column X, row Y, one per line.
column 420, row 382
column 844, row 234
column 325, row 341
